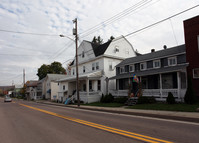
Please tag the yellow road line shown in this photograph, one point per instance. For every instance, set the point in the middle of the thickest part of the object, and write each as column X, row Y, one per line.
column 102, row 127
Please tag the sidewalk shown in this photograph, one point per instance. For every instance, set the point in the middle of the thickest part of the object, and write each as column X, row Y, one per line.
column 174, row 115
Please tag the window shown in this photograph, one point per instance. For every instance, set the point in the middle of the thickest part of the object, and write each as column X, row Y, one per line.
column 156, row 64
column 90, row 85
column 63, row 87
column 73, row 71
column 142, row 66
column 99, row 85
column 116, row 49
column 131, row 68
column 82, row 54
column 121, row 69
column 196, row 73
column 93, row 66
column 172, row 61
column 97, row 65
column 110, row 66
column 84, row 69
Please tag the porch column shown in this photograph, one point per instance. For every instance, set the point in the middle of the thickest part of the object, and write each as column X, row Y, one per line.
column 87, row 87
column 117, row 84
column 179, row 84
column 160, row 85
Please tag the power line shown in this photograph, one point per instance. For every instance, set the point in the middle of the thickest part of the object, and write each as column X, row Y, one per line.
column 161, row 21
column 18, row 55
column 28, row 33
column 116, row 17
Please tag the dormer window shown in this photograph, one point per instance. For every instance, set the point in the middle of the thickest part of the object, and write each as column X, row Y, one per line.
column 142, row 66
column 172, row 61
column 156, row 64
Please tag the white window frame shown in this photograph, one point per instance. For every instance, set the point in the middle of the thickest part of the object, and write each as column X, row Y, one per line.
column 97, row 65
column 110, row 66
column 144, row 65
column 121, row 70
column 194, row 74
column 172, row 58
column 83, row 54
column 154, row 64
column 93, row 66
column 132, row 68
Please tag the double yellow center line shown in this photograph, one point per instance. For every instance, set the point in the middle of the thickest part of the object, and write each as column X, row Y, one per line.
column 102, row 127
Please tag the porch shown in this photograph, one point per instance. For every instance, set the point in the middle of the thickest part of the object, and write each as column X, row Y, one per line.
column 157, row 85
column 90, row 86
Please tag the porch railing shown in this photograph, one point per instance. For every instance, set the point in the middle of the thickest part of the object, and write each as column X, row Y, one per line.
column 119, row 92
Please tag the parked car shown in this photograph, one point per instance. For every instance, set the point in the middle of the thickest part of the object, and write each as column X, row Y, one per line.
column 7, row 98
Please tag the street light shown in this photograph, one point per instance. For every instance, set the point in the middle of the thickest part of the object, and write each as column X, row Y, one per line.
column 77, row 74
column 61, row 35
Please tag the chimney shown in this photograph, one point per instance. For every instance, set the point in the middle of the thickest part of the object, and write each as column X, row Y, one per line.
column 152, row 50
column 165, row 47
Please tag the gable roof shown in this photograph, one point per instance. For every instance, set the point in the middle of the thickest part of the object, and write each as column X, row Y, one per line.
column 154, row 55
column 100, row 49
column 55, row 76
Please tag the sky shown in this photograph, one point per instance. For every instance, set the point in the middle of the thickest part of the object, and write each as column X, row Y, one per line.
column 30, row 29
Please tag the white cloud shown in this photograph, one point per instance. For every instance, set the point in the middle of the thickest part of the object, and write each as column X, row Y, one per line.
column 55, row 17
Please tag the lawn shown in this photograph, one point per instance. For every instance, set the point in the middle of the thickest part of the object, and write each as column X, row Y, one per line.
column 166, row 107
column 104, row 104
column 156, row 106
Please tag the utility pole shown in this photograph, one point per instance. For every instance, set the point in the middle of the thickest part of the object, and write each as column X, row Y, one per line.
column 23, row 76
column 77, row 73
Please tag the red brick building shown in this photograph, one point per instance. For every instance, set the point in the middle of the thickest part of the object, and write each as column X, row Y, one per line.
column 191, row 32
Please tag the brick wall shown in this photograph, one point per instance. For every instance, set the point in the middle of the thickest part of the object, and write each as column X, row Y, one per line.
column 191, row 31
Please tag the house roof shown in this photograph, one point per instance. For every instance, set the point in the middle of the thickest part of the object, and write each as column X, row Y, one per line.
column 100, row 49
column 56, row 76
column 152, row 71
column 91, row 75
column 32, row 83
column 154, row 55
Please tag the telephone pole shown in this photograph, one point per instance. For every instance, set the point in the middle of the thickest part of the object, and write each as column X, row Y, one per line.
column 23, row 76
column 77, row 73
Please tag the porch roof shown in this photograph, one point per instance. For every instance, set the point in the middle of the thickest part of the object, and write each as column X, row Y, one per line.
column 151, row 71
column 96, row 74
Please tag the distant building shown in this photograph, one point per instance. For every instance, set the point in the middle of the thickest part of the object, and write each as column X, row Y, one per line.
column 32, row 92
column 5, row 89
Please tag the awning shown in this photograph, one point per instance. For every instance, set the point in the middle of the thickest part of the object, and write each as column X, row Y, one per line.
column 151, row 71
column 92, row 75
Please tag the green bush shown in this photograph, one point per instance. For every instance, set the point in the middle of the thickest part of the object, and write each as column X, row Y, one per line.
column 107, row 98
column 146, row 100
column 170, row 98
column 121, row 100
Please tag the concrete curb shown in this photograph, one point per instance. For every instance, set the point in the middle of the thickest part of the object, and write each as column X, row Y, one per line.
column 126, row 112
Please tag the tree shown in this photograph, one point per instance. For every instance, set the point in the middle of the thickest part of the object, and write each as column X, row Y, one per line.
column 111, row 38
column 53, row 68
column 97, row 40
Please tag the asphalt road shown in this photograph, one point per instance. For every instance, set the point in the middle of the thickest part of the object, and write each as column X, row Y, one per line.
column 29, row 122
